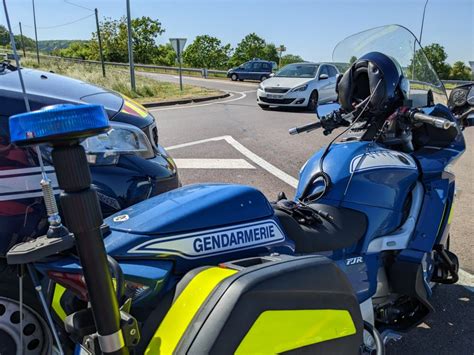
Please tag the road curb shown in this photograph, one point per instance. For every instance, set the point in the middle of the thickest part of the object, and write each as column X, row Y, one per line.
column 186, row 101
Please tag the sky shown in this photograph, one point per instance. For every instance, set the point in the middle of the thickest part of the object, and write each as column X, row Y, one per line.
column 309, row 28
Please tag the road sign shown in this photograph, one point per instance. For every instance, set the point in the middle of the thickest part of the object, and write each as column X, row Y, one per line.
column 178, row 46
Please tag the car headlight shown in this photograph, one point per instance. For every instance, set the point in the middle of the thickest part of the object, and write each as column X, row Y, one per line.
column 106, row 148
column 260, row 86
column 121, row 138
column 300, row 88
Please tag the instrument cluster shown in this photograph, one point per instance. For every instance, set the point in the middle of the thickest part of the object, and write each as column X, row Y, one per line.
column 461, row 96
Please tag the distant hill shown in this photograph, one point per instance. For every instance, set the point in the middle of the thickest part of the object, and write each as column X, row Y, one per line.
column 50, row 45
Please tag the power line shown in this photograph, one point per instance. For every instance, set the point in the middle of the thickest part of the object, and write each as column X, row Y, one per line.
column 63, row 24
column 77, row 5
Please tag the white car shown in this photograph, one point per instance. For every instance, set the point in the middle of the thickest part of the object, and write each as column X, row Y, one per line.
column 299, row 85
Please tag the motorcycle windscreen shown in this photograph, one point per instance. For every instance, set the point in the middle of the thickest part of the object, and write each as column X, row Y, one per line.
column 421, row 84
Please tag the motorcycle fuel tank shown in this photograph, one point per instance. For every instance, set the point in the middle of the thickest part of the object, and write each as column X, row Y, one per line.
column 366, row 177
column 197, row 225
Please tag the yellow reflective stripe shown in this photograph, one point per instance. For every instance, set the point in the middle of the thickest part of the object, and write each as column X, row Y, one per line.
column 450, row 213
column 142, row 111
column 278, row 331
column 58, row 293
column 184, row 309
column 442, row 219
column 137, row 106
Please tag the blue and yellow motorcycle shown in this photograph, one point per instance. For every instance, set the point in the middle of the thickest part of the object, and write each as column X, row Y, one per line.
column 217, row 268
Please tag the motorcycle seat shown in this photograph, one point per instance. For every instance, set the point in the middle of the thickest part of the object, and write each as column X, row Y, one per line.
column 342, row 229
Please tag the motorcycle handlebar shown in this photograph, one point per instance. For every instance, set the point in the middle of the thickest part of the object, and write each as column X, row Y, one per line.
column 437, row 122
column 306, row 128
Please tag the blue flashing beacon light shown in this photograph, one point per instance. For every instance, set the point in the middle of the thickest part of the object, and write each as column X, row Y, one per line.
column 58, row 123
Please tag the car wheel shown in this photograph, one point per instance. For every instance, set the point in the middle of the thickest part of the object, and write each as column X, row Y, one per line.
column 264, row 107
column 37, row 338
column 234, row 77
column 263, row 77
column 313, row 101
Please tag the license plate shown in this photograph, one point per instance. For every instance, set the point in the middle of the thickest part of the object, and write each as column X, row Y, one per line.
column 270, row 96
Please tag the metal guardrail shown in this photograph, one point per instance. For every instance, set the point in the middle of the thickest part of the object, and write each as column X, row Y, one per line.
column 458, row 82
column 204, row 72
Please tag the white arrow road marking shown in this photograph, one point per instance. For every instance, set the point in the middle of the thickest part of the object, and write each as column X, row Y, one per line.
column 213, row 164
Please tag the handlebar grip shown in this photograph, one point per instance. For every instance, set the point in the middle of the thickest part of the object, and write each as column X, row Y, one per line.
column 306, row 128
column 437, row 122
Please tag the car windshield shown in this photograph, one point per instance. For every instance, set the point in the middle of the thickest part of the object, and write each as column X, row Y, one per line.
column 298, row 71
column 403, row 47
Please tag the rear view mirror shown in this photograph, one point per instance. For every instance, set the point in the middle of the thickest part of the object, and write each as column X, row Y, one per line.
column 326, row 109
column 271, row 74
column 323, row 77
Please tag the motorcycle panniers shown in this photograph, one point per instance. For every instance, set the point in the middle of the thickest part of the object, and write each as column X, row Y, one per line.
column 265, row 305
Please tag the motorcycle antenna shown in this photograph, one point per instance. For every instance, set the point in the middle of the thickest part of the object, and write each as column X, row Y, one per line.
column 56, row 228
column 423, row 21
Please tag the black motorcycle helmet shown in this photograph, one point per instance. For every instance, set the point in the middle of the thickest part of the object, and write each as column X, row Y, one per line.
column 373, row 74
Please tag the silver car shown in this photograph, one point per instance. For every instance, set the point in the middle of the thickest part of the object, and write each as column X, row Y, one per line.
column 299, row 85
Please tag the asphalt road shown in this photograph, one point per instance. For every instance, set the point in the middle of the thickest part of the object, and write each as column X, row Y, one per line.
column 257, row 150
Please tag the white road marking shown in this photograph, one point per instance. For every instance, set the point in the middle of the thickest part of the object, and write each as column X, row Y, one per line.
column 466, row 279
column 180, row 107
column 272, row 169
column 213, row 164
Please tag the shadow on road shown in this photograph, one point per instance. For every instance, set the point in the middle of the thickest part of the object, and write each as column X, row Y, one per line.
column 289, row 109
column 449, row 330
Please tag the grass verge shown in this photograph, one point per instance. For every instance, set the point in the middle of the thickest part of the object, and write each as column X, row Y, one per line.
column 147, row 89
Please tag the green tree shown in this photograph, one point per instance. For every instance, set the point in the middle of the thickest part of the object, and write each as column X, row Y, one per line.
column 253, row 46
column 145, row 31
column 437, row 57
column 164, row 54
column 290, row 58
column 352, row 60
column 4, row 36
column 207, row 52
column 460, row 71
column 80, row 49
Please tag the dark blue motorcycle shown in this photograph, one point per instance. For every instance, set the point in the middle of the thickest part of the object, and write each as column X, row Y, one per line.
column 377, row 203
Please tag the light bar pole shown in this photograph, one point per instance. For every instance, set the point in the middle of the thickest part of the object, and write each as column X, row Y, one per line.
column 130, row 48
column 100, row 41
column 36, row 33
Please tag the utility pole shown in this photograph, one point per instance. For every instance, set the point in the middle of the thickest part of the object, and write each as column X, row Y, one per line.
column 130, row 48
column 100, row 41
column 22, row 41
column 36, row 33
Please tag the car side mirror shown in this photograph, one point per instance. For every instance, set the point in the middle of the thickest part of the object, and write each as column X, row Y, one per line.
column 323, row 77
column 271, row 74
